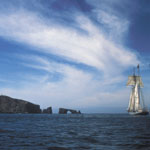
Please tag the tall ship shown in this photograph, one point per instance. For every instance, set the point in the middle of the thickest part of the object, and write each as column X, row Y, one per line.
column 136, row 103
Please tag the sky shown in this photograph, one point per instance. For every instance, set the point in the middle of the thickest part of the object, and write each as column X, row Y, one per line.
column 74, row 53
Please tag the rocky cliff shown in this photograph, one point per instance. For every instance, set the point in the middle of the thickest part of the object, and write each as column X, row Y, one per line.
column 65, row 111
column 11, row 105
column 47, row 111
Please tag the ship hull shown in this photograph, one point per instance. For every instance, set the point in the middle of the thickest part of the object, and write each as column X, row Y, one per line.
column 139, row 113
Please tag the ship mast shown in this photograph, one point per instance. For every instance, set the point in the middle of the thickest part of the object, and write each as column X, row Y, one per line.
column 136, row 103
column 135, row 96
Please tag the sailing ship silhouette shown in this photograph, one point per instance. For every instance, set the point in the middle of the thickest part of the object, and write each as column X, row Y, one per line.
column 136, row 103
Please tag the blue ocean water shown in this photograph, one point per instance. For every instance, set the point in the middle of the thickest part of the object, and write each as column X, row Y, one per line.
column 74, row 132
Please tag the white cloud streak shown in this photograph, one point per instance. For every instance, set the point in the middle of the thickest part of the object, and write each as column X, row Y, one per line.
column 93, row 49
column 77, row 88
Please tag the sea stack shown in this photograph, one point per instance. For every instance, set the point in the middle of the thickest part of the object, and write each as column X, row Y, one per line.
column 47, row 111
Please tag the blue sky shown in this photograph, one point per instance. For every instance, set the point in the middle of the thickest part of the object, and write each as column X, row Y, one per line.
column 73, row 53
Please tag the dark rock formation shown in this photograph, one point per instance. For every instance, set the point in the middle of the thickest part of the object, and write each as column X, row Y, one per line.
column 47, row 111
column 11, row 105
column 64, row 111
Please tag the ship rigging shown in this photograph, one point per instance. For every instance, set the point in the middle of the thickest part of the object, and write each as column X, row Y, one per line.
column 136, row 103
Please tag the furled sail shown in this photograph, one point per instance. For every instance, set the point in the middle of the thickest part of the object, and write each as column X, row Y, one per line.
column 133, row 80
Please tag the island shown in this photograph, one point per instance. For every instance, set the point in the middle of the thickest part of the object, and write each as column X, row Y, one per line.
column 47, row 111
column 12, row 105
column 65, row 111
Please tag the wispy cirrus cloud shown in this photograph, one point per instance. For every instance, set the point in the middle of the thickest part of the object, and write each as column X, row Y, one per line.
column 77, row 89
column 93, row 48
column 86, row 43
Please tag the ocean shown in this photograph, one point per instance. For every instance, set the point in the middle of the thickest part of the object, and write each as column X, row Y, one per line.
column 74, row 132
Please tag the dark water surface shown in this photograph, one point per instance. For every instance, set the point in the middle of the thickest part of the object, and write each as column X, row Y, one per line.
column 74, row 132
